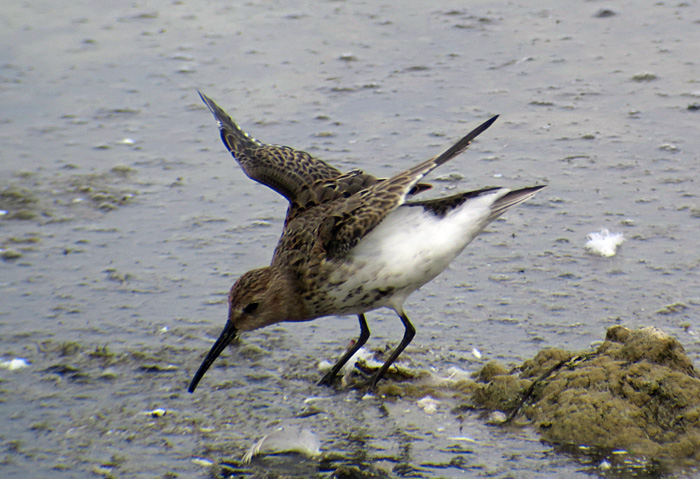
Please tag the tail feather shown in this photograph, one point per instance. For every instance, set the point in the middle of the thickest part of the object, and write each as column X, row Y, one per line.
column 511, row 199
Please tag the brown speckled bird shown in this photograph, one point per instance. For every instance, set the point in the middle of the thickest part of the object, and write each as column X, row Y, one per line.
column 352, row 242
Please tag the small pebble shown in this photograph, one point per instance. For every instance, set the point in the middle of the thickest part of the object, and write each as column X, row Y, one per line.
column 497, row 417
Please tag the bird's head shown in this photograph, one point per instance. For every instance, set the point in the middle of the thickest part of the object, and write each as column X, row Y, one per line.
column 259, row 298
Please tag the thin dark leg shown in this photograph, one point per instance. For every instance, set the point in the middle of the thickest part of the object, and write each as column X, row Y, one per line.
column 407, row 337
column 364, row 336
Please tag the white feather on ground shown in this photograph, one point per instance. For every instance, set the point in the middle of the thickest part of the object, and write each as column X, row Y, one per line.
column 14, row 364
column 604, row 243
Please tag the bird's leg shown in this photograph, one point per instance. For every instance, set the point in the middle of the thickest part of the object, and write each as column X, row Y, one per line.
column 364, row 336
column 407, row 337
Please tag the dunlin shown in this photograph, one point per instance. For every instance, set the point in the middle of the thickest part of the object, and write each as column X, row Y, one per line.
column 352, row 242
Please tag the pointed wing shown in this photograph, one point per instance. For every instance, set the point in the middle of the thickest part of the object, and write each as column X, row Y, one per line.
column 442, row 206
column 303, row 179
column 511, row 199
column 353, row 219
column 284, row 169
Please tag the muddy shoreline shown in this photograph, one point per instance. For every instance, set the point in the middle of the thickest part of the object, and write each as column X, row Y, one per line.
column 126, row 222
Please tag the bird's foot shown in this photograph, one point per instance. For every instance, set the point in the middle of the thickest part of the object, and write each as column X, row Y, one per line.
column 328, row 379
column 371, row 382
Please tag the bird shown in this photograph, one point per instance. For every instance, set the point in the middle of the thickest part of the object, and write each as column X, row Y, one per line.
column 351, row 242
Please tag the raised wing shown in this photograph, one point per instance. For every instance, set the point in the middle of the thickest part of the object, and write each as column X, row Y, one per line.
column 284, row 169
column 303, row 179
column 353, row 219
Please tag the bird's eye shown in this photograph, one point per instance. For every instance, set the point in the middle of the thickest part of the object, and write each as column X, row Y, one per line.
column 251, row 307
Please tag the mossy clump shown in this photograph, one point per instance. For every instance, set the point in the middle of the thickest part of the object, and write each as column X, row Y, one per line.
column 638, row 391
column 69, row 348
column 14, row 196
column 544, row 361
column 490, row 370
column 102, row 352
column 23, row 214
column 672, row 309
column 10, row 254
column 502, row 393
column 122, row 171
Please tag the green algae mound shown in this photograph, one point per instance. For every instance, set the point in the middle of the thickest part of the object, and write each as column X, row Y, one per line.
column 637, row 391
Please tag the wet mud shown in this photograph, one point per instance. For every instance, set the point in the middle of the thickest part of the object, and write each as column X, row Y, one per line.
column 30, row 197
column 124, row 222
column 626, row 408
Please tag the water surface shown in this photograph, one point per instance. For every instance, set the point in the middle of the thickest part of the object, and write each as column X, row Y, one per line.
column 139, row 221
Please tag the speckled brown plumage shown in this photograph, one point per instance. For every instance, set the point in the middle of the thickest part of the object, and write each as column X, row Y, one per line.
column 351, row 242
column 303, row 179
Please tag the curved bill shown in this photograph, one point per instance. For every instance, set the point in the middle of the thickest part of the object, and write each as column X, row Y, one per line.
column 227, row 335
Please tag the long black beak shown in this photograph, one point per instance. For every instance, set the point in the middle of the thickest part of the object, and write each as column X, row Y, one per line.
column 227, row 335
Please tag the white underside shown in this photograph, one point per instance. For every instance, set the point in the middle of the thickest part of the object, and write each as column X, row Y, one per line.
column 408, row 249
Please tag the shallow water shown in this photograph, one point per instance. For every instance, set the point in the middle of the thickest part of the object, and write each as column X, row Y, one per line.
column 120, row 285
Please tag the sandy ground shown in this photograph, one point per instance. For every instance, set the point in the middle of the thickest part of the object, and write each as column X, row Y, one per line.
column 124, row 221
